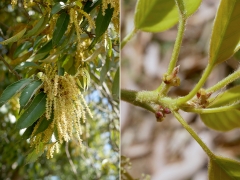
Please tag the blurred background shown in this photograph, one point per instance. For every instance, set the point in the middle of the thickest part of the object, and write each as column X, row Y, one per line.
column 165, row 150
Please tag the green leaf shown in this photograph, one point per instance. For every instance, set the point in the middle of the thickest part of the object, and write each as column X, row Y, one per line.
column 225, row 40
column 160, row 15
column 58, row 7
column 41, row 23
column 222, row 121
column 87, row 77
column 60, row 1
column 109, row 47
column 229, row 96
column 25, row 46
column 37, row 152
column 13, row 89
column 43, row 26
column 115, row 86
column 22, row 58
column 37, row 41
column 28, row 92
column 61, row 27
column 102, row 23
column 59, row 64
column 67, row 63
column 28, row 131
column 34, row 111
column 14, row 38
column 84, row 80
column 46, row 48
column 223, row 169
column 89, row 6
column 38, row 56
column 104, row 70
column 227, row 120
column 72, row 70
column 24, row 65
column 237, row 55
column 55, row 132
column 43, row 125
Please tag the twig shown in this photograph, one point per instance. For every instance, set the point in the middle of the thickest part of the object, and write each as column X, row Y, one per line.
column 1, row 33
column 70, row 160
column 194, row 134
column 128, row 37
column 212, row 110
column 10, row 68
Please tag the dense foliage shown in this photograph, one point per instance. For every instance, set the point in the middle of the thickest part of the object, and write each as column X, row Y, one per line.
column 59, row 89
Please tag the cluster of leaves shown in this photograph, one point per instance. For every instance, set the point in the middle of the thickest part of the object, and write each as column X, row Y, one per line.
column 96, row 161
column 77, row 37
column 219, row 113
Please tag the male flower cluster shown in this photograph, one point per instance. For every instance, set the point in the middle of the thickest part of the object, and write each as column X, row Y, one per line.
column 65, row 106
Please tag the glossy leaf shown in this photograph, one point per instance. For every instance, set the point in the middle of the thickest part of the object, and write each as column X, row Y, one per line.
column 86, row 79
column 43, row 125
column 24, row 65
column 36, row 27
column 227, row 120
column 223, row 169
column 115, row 86
column 43, row 26
column 22, row 58
column 83, row 80
column 58, row 7
column 89, row 6
column 102, row 23
column 23, row 47
column 95, row 54
column 37, row 41
column 14, row 38
column 227, row 97
column 38, row 56
column 59, row 65
column 109, row 47
column 35, row 154
column 60, row 1
column 28, row 131
column 225, row 40
column 160, row 15
column 46, row 48
column 28, row 92
column 34, row 111
column 222, row 121
column 237, row 55
column 67, row 63
column 61, row 27
column 13, row 89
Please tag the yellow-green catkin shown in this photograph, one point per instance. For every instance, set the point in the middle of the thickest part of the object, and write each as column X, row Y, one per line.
column 115, row 18
column 113, row 4
column 14, row 3
column 68, row 106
